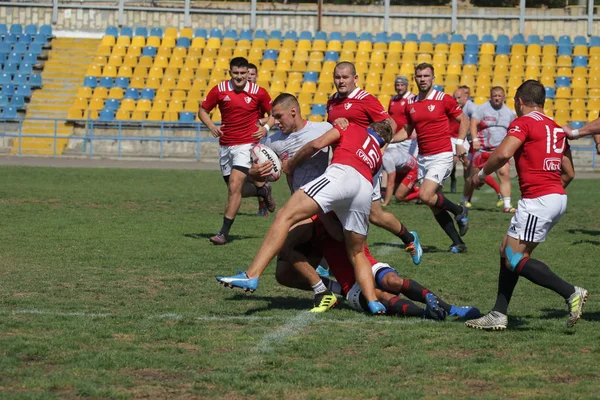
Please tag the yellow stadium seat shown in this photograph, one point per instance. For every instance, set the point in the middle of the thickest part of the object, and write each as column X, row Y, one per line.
column 425, row 47
column 125, row 72
column 580, row 50
column 594, row 82
column 80, row 103
column 377, row 57
column 154, row 115
column 365, row 45
column 440, row 70
column 563, row 93
column 130, row 61
column 274, row 44
column 455, row 58
column 452, row 79
column 594, row 61
column 164, row 51
column 373, row 77
column 334, row 45
column 140, row 71
column 563, row 61
column 159, row 105
column 593, row 104
column 123, row 115
column 547, row 80
column 578, row 104
column 267, row 66
column 187, row 73
column 277, row 86
column 75, row 113
column 372, row 88
column 213, row 43
column 411, row 47
column 486, row 60
column 153, row 41
column 483, row 70
column 138, row 115
column 286, row 54
column 301, row 55
column 84, row 92
column 580, row 72
column 362, row 56
column 592, row 115
column 137, row 82
column 457, row 48
column 175, row 105
column 101, row 61
column 501, row 59
column 517, row 49
column 103, row 51
column 479, row 100
column 186, row 33
column 160, row 62
column 179, row 51
column 532, row 60
column 123, row 41
column 534, row 50
column 395, row 47
column 228, row 43
column 309, row 87
column 406, row 69
column 93, row 70
column 388, row 87
column 314, row 66
column 109, row 71
column 347, row 55
column 259, row 44
column 450, row 89
column 108, row 40
column 424, row 58
column 316, row 118
column 305, row 98
column 349, row 45
column 91, row 114
column 155, row 72
column 562, row 116
column 96, row 103
column 240, row 52
column 564, row 71
column 362, row 67
column 283, row 65
column 171, row 116
column 499, row 80
column 143, row 105
column 517, row 70
column 409, row 58
column 392, row 68
column 487, row 48
column 289, row 44
column 153, row 82
column 305, row 108
column 303, row 44
column 163, row 94
column 168, row 83
column 532, row 72
column 593, row 93
column 325, row 87
column 441, row 48
column 293, row 87
column 191, row 106
column 198, row 42
column 145, row 62
column 549, row 50
column 380, row 46
column 222, row 63
column 170, row 32
column 321, row 97
column 316, row 56
column 548, row 60
column 199, row 84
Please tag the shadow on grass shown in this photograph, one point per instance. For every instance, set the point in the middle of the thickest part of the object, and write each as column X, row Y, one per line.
column 400, row 247
column 230, row 238
column 585, row 232
column 274, row 303
column 592, row 242
column 551, row 313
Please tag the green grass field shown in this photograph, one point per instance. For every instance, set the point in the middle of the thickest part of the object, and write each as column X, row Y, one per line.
column 107, row 290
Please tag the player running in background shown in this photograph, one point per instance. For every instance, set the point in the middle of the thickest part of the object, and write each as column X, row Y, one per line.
column 402, row 174
column 545, row 168
column 359, row 107
column 318, row 237
column 242, row 104
column 489, row 125
column 356, row 158
column 429, row 113
column 396, row 111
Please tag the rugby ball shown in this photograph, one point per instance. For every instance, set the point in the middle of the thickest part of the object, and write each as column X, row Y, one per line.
column 260, row 154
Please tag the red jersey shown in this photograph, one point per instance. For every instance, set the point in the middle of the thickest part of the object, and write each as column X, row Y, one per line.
column 337, row 257
column 359, row 107
column 358, row 149
column 430, row 118
column 454, row 127
column 539, row 159
column 396, row 108
column 240, row 111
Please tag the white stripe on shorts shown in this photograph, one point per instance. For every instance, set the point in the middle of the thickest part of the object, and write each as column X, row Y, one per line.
column 317, row 187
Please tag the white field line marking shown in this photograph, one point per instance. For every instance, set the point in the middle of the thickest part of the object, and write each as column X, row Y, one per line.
column 294, row 326
column 394, row 246
column 294, row 323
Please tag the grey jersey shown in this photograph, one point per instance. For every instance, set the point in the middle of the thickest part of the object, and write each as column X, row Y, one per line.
column 310, row 169
column 397, row 158
column 469, row 109
column 493, row 124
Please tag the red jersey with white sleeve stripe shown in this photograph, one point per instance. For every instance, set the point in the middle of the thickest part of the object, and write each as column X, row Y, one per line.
column 430, row 118
column 397, row 108
column 359, row 150
column 359, row 107
column 539, row 159
column 240, row 111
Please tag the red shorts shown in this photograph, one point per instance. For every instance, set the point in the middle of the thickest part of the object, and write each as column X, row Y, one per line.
column 408, row 177
column 480, row 159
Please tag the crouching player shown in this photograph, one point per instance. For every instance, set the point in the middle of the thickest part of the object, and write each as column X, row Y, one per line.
column 321, row 236
column 403, row 172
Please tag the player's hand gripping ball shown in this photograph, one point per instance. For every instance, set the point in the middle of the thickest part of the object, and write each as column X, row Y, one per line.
column 260, row 154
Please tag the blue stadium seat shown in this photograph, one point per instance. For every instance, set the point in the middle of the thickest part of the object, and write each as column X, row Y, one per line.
column 261, row 34
column 381, row 37
column 565, row 50
column 311, row 76
column 149, row 51
column 112, row 31
column 35, row 80
column 563, row 81
column 5, row 78
column 305, row 35
column 5, row 48
column 580, row 61
column 470, row 59
column 291, row 35
column 14, row 58
column 396, row 37
column 318, row 109
column 10, row 68
column 320, row 35
column 106, row 82
column 183, row 42
column 8, row 89
column 472, row 48
column 336, row 35
column 230, row 34
column 412, row 37
column 503, row 45
column 90, row 81
column 533, row 39
column 488, row 38
column 565, row 41
column 441, row 38
column 351, row 36
column 332, row 56
column 156, row 31
column 132, row 93
column 276, row 34
column 4, row 101
column 246, row 34
column 112, row 104
column 148, row 94
column 201, row 32
column 106, row 115
column 577, row 124
column 35, row 48
column 472, row 39
column 25, row 38
column 31, row 29
column 30, row 58
column 427, row 38
column 580, row 41
column 270, row 54
column 46, row 30
column 187, row 117
column 438, row 87
column 122, row 82
column 9, row 113
column 126, row 31
column 19, row 79
column 23, row 90
column 216, row 33
column 366, row 36
column 595, row 41
column 11, row 38
column 18, row 102
column 25, row 68
column 518, row 39
column 16, row 29
column 3, row 29
column 40, row 39
column 141, row 31
column 549, row 39
column 457, row 38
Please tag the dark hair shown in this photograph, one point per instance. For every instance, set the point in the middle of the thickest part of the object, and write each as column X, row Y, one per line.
column 346, row 64
column 532, row 93
column 286, row 99
column 252, row 66
column 383, row 129
column 423, row 66
column 238, row 62
column 496, row 88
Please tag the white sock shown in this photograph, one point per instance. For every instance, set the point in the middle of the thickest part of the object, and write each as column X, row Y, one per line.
column 506, row 202
column 464, row 199
column 319, row 287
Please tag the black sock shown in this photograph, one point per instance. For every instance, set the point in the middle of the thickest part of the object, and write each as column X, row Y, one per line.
column 507, row 280
column 405, row 235
column 249, row 189
column 226, row 226
column 444, row 204
column 413, row 290
column 540, row 274
column 447, row 223
column 261, row 191
column 398, row 306
column 453, row 175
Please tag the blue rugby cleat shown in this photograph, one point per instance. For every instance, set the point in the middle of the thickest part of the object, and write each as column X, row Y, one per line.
column 323, row 273
column 467, row 312
column 415, row 249
column 433, row 310
column 376, row 308
column 240, row 280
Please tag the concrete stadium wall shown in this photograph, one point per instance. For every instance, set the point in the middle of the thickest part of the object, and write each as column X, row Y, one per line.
column 95, row 20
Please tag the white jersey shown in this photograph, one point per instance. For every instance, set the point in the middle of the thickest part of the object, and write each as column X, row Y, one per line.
column 283, row 145
column 493, row 124
column 469, row 109
column 397, row 158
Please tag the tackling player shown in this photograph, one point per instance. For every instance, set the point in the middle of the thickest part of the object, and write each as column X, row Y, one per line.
column 545, row 168
column 429, row 113
column 242, row 104
column 403, row 172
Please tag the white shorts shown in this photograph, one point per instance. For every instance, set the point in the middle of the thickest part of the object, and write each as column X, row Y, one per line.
column 466, row 145
column 438, row 167
column 353, row 295
column 238, row 155
column 376, row 195
column 343, row 190
column 535, row 217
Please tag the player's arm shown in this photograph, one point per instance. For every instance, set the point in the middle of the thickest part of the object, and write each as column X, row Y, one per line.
column 499, row 157
column 462, row 134
column 591, row 128
column 474, row 133
column 260, row 172
column 567, row 173
column 393, row 124
column 310, row 148
column 205, row 118
column 263, row 125
column 408, row 130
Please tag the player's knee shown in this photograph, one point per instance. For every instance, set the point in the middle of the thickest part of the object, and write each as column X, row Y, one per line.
column 512, row 258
